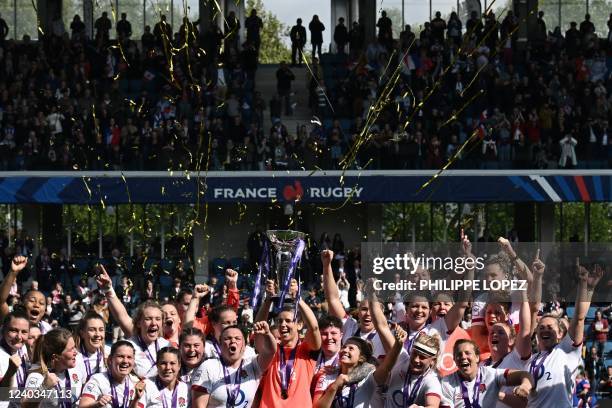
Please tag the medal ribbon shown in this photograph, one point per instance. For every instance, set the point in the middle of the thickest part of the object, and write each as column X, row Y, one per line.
column 216, row 346
column 85, row 355
column 535, row 367
column 350, row 399
column 162, row 391
column 286, row 368
column 126, row 393
column 465, row 394
column 231, row 387
column 67, row 384
column 410, row 342
column 410, row 396
column 321, row 362
column 144, row 348
column 369, row 337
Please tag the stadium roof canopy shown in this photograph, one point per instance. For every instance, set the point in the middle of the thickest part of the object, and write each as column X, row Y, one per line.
column 469, row 186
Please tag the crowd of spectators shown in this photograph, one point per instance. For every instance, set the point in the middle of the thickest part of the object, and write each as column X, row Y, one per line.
column 543, row 103
column 172, row 100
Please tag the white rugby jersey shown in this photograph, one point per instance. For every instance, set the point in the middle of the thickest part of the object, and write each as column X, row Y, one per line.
column 20, row 376
column 92, row 363
column 180, row 397
column 146, row 356
column 209, row 378
column 485, row 387
column 44, row 327
column 73, row 382
column 512, row 361
column 417, row 389
column 122, row 394
column 555, row 376
column 210, row 351
column 350, row 329
column 186, row 373
column 360, row 395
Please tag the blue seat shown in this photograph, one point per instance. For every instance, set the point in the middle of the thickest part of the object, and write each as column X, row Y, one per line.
column 591, row 313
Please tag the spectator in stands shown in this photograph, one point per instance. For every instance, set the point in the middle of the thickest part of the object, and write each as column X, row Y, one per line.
column 77, row 27
column 103, row 26
column 605, row 384
column 232, row 31
column 341, row 37
column 453, row 28
column 587, row 27
column 385, row 30
column 147, row 40
column 284, row 77
column 124, row 28
column 4, row 30
column 599, row 330
column 356, row 38
column 594, row 367
column 253, row 25
column 316, row 28
column 474, row 26
column 438, row 26
column 162, row 32
column 298, row 40
column 568, row 151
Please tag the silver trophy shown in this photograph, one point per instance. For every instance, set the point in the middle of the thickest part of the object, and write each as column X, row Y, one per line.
column 284, row 253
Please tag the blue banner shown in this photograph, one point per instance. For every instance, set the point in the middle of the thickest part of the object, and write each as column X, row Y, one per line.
column 255, row 187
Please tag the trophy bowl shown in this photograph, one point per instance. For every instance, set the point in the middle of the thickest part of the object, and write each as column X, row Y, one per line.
column 285, row 251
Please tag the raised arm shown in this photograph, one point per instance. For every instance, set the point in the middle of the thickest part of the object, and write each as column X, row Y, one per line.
column 521, row 267
column 586, row 286
column 378, row 318
column 114, row 304
column 312, row 337
column 265, row 344
column 264, row 308
column 199, row 292
column 535, row 293
column 381, row 375
column 17, row 265
column 233, row 295
column 455, row 314
column 523, row 337
column 329, row 286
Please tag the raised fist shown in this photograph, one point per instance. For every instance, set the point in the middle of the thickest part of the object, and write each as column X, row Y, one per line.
column 18, row 263
column 261, row 328
column 270, row 287
column 201, row 291
column 327, row 256
column 231, row 278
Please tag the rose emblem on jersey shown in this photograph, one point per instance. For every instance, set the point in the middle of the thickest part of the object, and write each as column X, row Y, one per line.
column 243, row 374
column 75, row 377
column 181, row 402
column 482, row 388
column 131, row 393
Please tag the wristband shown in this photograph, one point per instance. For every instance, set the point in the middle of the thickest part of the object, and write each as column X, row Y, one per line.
column 109, row 293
